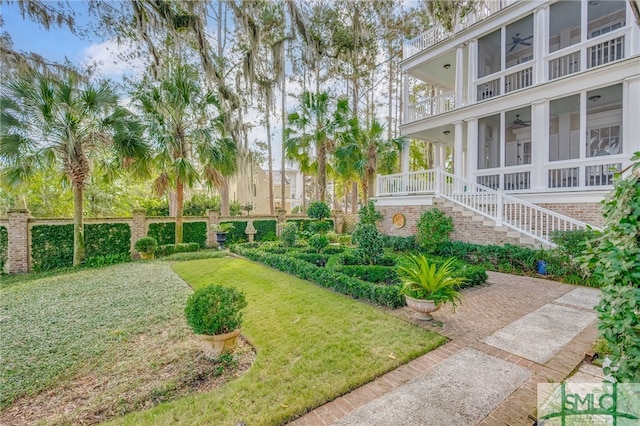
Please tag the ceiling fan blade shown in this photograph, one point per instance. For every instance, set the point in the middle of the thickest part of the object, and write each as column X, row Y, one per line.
column 528, row 38
column 512, row 47
column 524, row 43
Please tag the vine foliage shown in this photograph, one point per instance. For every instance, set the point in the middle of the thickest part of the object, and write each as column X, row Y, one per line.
column 614, row 258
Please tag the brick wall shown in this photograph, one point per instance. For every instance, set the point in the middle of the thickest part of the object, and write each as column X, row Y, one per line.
column 590, row 213
column 411, row 214
column 18, row 244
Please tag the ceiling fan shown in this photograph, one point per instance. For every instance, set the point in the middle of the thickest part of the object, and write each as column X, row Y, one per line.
column 521, row 123
column 516, row 40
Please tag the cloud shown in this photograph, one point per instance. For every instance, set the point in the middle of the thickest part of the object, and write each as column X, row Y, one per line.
column 113, row 59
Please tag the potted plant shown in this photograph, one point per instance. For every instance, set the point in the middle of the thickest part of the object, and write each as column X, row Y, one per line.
column 215, row 314
column 147, row 247
column 221, row 233
column 427, row 287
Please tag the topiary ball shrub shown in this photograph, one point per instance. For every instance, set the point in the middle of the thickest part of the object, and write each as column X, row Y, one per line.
column 318, row 210
column 146, row 245
column 215, row 310
column 370, row 243
column 289, row 234
column 318, row 242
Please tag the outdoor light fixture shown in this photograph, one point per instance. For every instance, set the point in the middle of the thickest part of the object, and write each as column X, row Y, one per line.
column 594, row 98
column 447, row 66
column 446, row 132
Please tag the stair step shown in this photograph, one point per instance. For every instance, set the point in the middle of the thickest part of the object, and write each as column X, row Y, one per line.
column 501, row 229
column 468, row 213
column 478, row 218
column 527, row 240
column 488, row 222
column 514, row 234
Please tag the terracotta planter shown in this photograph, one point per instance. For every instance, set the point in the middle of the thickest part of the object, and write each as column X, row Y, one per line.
column 147, row 256
column 421, row 308
column 216, row 345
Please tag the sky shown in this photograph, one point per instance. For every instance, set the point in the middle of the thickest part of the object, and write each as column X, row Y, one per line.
column 56, row 44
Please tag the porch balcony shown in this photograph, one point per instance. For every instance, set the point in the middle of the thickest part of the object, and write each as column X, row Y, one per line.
column 437, row 33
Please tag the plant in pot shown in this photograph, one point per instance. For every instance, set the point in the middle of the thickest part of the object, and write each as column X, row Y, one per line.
column 147, row 247
column 427, row 287
column 215, row 314
column 221, row 233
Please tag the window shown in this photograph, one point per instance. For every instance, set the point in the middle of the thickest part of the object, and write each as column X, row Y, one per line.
column 489, row 54
column 605, row 16
column 604, row 121
column 489, row 142
column 564, row 128
column 519, row 39
column 564, row 24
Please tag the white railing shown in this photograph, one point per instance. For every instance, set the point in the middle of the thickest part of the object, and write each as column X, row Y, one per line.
column 564, row 65
column 433, row 105
column 528, row 219
column 518, row 80
column 437, row 33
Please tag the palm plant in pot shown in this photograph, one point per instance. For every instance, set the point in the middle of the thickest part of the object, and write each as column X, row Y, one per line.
column 147, row 247
column 427, row 287
column 215, row 314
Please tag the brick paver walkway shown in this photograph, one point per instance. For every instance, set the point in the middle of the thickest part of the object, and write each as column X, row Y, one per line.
column 488, row 308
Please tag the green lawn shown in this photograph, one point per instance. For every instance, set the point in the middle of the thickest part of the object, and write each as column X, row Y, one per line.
column 312, row 346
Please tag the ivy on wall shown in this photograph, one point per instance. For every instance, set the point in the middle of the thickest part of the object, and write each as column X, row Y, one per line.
column 264, row 228
column 4, row 247
column 52, row 245
column 192, row 232
column 236, row 235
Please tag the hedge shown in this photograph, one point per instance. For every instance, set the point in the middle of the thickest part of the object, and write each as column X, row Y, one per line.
column 167, row 249
column 192, row 232
column 237, row 235
column 313, row 258
column 4, row 247
column 356, row 288
column 105, row 243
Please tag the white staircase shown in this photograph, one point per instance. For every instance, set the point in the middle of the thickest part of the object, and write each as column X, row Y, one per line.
column 518, row 218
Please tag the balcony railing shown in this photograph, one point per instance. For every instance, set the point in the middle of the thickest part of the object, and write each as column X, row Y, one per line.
column 437, row 33
column 433, row 105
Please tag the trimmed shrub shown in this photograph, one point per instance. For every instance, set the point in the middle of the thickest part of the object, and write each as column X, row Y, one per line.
column 371, row 273
column 168, row 249
column 314, row 258
column 350, row 258
column 318, row 210
column 320, row 226
column 358, row 289
column 370, row 243
column 318, row 242
column 4, row 247
column 344, row 239
column 434, row 227
column 289, row 234
column 146, row 245
column 303, row 224
column 573, row 242
column 400, row 243
column 369, row 214
column 215, row 310
column 333, row 250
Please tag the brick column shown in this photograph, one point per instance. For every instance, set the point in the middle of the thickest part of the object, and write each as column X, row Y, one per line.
column 213, row 219
column 18, row 234
column 138, row 228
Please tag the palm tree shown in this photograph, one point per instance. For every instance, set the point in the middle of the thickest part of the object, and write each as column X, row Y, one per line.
column 187, row 133
column 314, row 125
column 67, row 124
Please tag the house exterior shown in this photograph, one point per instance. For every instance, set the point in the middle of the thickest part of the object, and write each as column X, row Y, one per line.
column 540, row 101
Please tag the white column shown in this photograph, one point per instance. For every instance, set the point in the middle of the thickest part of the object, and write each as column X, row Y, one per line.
column 459, row 77
column 405, row 97
column 630, row 114
column 539, row 143
column 634, row 36
column 473, row 71
column 437, row 159
column 443, row 156
column 472, row 147
column 540, row 45
column 457, row 149
column 404, row 160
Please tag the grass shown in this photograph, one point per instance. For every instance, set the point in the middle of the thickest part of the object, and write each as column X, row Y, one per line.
column 312, row 346
column 86, row 346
